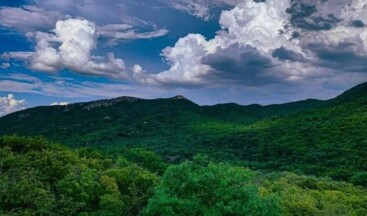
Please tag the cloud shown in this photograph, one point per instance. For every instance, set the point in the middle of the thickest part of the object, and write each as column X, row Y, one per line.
column 69, row 47
column 269, row 42
column 193, row 7
column 116, row 33
column 201, row 8
column 9, row 104
column 258, row 24
column 29, row 18
column 16, row 55
column 59, row 87
column 344, row 47
column 43, row 15
column 240, row 53
column 185, row 63
column 308, row 16
column 242, row 65
column 355, row 10
column 111, row 10
column 5, row 66
column 60, row 104
column 285, row 54
column 340, row 56
column 358, row 23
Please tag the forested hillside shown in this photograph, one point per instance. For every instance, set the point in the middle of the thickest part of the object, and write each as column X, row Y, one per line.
column 319, row 138
column 128, row 120
column 43, row 178
column 324, row 138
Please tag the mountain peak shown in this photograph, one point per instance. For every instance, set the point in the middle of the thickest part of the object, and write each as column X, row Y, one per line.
column 109, row 102
column 356, row 92
column 179, row 97
column 125, row 98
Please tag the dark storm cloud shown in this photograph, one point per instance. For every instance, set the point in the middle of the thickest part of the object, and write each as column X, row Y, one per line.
column 296, row 34
column 283, row 53
column 240, row 65
column 342, row 57
column 358, row 23
column 305, row 16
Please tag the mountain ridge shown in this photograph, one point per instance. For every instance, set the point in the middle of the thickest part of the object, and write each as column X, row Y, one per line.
column 309, row 136
column 357, row 91
column 177, row 105
column 350, row 94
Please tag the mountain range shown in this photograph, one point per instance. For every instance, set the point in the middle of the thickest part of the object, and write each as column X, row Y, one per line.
column 324, row 138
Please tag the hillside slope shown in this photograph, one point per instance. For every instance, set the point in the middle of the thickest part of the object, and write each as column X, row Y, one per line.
column 128, row 120
column 328, row 142
column 326, row 138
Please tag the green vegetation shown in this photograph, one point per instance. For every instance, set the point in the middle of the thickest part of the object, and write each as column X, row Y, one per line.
column 325, row 142
column 129, row 156
column 157, row 124
column 322, row 138
column 42, row 178
column 198, row 188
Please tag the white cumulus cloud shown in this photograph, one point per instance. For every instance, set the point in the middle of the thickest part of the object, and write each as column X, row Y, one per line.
column 260, row 25
column 185, row 61
column 60, row 104
column 258, row 45
column 356, row 10
column 9, row 104
column 69, row 47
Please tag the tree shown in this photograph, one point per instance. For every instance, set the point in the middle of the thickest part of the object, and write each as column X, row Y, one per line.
column 214, row 189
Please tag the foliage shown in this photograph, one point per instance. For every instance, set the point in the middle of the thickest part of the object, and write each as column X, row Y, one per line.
column 323, row 138
column 210, row 189
column 111, row 172
column 301, row 195
column 325, row 142
column 41, row 178
column 200, row 187
column 146, row 159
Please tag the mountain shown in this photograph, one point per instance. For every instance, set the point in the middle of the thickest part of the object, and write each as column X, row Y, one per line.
column 326, row 138
column 358, row 91
column 329, row 141
column 133, row 120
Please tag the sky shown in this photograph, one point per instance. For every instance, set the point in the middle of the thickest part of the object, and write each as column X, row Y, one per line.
column 55, row 52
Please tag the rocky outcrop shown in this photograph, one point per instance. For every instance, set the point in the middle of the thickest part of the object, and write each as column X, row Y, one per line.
column 110, row 102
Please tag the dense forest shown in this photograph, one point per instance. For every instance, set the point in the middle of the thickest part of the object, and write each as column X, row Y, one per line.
column 39, row 177
column 130, row 156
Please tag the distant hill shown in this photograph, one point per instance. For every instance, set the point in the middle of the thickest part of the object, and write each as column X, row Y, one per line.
column 311, row 136
column 127, row 118
column 359, row 91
